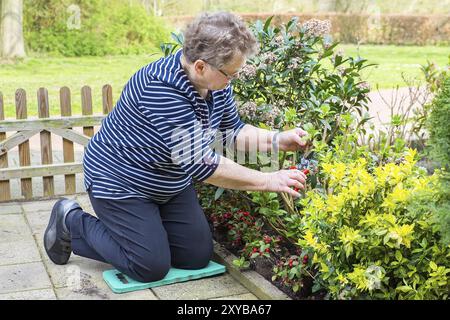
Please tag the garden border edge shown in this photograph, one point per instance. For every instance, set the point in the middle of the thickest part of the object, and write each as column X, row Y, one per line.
column 250, row 279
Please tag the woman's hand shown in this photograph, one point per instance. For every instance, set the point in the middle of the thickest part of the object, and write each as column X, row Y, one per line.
column 291, row 140
column 283, row 180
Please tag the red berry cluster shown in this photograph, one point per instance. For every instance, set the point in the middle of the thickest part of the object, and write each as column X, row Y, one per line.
column 265, row 246
column 256, row 250
column 293, row 261
column 284, row 267
column 239, row 224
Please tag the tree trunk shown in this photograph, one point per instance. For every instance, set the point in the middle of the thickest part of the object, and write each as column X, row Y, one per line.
column 11, row 29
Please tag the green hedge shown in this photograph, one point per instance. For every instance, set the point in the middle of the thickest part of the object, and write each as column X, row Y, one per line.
column 410, row 29
column 439, row 146
column 438, row 124
column 106, row 27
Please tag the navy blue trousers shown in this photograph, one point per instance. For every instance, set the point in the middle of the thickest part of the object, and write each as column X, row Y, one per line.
column 144, row 239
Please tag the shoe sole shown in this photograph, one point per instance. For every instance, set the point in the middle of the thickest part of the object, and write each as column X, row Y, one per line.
column 50, row 224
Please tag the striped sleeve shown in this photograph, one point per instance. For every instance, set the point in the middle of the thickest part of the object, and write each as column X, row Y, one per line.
column 181, row 133
column 231, row 123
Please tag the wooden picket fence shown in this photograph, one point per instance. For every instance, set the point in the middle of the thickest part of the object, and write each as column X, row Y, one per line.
column 47, row 126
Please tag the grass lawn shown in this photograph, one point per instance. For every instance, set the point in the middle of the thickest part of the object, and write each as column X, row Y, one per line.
column 394, row 60
column 54, row 73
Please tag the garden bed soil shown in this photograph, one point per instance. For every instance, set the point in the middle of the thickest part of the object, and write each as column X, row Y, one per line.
column 264, row 266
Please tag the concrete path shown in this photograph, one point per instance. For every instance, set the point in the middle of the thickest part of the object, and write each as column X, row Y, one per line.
column 382, row 101
column 27, row 273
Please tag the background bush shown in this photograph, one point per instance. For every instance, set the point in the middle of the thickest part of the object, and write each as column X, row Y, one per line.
column 107, row 28
column 439, row 146
column 364, row 28
column 437, row 125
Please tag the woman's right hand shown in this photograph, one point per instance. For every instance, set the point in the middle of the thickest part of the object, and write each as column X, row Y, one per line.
column 284, row 180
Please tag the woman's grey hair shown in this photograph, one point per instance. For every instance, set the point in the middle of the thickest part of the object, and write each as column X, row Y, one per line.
column 217, row 37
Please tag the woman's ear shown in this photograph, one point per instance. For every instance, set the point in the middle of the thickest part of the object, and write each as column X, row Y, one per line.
column 200, row 67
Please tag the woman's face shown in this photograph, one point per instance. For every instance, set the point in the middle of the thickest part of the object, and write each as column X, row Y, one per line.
column 212, row 78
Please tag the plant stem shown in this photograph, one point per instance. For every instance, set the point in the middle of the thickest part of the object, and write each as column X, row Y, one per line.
column 283, row 158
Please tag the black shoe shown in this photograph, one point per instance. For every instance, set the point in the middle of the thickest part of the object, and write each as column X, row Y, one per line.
column 57, row 240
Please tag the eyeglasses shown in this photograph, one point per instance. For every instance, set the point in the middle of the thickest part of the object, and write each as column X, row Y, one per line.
column 228, row 76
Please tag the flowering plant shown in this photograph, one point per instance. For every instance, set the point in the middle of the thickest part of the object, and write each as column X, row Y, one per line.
column 298, row 80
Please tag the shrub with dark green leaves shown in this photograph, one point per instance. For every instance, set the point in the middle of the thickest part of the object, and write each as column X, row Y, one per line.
column 439, row 146
column 298, row 79
column 438, row 125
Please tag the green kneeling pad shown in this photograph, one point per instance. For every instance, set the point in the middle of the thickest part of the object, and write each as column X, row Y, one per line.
column 120, row 283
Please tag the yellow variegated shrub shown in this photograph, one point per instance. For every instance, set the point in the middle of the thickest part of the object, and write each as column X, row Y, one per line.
column 367, row 237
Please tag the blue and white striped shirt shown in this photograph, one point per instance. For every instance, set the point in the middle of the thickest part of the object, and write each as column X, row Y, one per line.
column 159, row 136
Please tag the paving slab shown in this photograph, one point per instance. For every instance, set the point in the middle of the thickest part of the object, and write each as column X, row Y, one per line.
column 201, row 289
column 36, row 206
column 23, row 277
column 38, row 220
column 102, row 294
column 82, row 279
column 10, row 208
column 77, row 270
column 44, row 294
column 23, row 251
column 13, row 228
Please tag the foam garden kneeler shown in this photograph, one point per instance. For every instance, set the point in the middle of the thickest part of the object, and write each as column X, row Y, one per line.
column 121, row 283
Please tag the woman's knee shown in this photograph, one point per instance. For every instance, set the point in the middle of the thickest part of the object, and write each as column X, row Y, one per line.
column 196, row 256
column 151, row 268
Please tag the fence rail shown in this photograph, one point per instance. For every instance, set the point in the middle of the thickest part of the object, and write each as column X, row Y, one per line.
column 22, row 129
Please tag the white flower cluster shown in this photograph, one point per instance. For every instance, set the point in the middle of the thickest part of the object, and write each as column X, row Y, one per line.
column 278, row 40
column 248, row 109
column 295, row 62
column 363, row 85
column 315, row 27
column 248, row 71
column 269, row 57
column 266, row 114
column 269, row 117
column 282, row 103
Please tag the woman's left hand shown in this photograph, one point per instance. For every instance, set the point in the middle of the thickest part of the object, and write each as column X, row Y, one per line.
column 290, row 140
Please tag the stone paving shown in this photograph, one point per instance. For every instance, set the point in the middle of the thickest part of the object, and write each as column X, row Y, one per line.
column 27, row 273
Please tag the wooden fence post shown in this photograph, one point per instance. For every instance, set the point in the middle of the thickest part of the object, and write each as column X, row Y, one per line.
column 23, row 129
column 46, row 141
column 68, row 151
column 86, row 108
column 107, row 99
column 5, row 191
column 24, row 148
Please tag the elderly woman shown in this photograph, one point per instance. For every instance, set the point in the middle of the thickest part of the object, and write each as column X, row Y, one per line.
column 139, row 168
